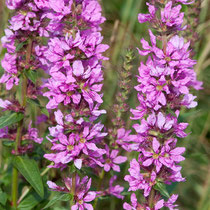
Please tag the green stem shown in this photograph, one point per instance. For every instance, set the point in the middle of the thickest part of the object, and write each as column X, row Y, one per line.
column 14, row 187
column 151, row 198
column 73, row 189
column 20, row 128
column 101, row 176
column 17, row 145
column 101, row 179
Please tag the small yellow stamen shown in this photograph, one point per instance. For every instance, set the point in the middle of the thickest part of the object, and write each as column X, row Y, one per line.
column 70, row 147
column 159, row 87
column 155, row 156
column 168, row 59
column 23, row 12
column 70, row 93
column 80, row 202
column 82, row 140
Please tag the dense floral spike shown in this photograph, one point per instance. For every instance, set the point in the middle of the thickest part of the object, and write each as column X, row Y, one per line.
column 20, row 62
column 21, row 65
column 193, row 14
column 164, row 88
column 73, row 59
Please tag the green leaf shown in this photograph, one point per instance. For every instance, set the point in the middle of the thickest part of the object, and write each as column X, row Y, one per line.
column 3, row 197
column 8, row 143
column 30, row 201
column 32, row 75
column 104, row 198
column 58, row 197
column 33, row 101
column 29, row 169
column 45, row 111
column 10, row 119
column 162, row 189
column 20, row 46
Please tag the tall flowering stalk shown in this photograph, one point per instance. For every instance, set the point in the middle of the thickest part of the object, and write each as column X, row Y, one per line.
column 164, row 88
column 20, row 63
column 74, row 61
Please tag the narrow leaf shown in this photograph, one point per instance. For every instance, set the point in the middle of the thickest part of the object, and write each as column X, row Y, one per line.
column 32, row 75
column 33, row 101
column 45, row 111
column 20, row 46
column 10, row 119
column 162, row 189
column 29, row 169
column 3, row 197
column 8, row 143
column 30, row 201
column 58, row 197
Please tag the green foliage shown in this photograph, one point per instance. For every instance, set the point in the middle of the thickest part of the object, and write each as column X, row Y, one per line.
column 10, row 119
column 20, row 46
column 3, row 197
column 30, row 201
column 31, row 75
column 45, row 111
column 58, row 197
column 29, row 169
column 161, row 187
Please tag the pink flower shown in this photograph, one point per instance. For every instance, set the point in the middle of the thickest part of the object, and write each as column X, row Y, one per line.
column 82, row 195
column 14, row 4
column 170, row 203
column 115, row 190
column 70, row 148
column 4, row 103
column 171, row 16
column 32, row 134
column 124, row 140
column 165, row 156
column 27, row 22
column 135, row 179
column 112, row 160
column 148, row 17
column 134, row 203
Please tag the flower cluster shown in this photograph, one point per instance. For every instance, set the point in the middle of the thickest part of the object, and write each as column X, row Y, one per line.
column 20, row 63
column 27, row 25
column 74, row 64
column 73, row 60
column 82, row 195
column 164, row 88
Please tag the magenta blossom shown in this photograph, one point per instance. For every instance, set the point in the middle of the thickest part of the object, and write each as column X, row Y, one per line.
column 162, row 124
column 82, row 196
column 9, row 63
column 135, row 205
column 112, row 160
column 115, row 190
column 163, row 157
column 70, row 148
column 14, row 4
column 32, row 134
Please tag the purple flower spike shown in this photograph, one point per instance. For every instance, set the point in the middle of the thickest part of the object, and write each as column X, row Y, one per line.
column 165, row 82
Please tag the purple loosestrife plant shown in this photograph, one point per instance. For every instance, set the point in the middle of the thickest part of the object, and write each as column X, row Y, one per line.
column 113, row 158
column 21, row 65
column 73, row 59
column 164, row 88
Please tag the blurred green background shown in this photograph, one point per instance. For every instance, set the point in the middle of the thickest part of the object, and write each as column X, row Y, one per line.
column 121, row 31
